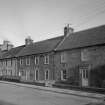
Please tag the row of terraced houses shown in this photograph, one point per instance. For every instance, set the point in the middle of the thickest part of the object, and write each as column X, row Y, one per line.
column 68, row 57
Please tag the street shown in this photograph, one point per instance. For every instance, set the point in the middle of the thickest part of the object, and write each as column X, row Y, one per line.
column 16, row 95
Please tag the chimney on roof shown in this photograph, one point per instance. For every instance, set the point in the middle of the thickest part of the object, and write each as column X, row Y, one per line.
column 28, row 41
column 6, row 45
column 68, row 30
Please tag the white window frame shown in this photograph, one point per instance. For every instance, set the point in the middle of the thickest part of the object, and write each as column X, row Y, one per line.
column 46, row 76
column 21, row 61
column 36, row 58
column 28, row 63
column 63, row 57
column 46, row 59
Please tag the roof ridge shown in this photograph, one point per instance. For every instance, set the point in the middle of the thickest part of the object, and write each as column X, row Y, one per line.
column 48, row 39
column 91, row 28
column 43, row 46
column 88, row 37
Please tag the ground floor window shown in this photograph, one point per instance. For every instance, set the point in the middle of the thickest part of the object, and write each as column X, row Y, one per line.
column 5, row 72
column 27, row 75
column 36, row 74
column 9, row 72
column 22, row 73
column 63, row 74
column 46, row 74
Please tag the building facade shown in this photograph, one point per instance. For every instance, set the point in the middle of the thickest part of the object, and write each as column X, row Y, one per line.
column 68, row 58
column 36, row 61
column 8, row 62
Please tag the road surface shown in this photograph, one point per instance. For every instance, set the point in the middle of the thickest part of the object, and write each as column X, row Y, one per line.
column 16, row 95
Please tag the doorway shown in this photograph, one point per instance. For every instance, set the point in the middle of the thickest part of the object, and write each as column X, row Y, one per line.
column 84, row 77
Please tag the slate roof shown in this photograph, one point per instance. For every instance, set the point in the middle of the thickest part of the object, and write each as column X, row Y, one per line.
column 40, row 47
column 89, row 37
column 2, row 53
column 12, row 52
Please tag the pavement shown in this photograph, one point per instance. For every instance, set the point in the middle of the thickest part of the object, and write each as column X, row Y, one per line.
column 61, row 91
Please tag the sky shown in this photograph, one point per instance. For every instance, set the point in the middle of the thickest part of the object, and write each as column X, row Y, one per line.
column 44, row 19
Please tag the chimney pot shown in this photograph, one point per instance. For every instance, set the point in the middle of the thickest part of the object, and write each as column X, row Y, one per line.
column 28, row 40
column 68, row 30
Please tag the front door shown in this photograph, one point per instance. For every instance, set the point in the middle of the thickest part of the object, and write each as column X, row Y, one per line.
column 84, row 77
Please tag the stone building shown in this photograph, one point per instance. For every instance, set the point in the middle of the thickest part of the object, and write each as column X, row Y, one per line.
column 36, row 60
column 70, row 57
column 78, row 54
column 8, row 62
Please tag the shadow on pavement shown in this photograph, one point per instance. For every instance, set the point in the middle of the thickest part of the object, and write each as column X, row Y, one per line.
column 96, row 104
column 5, row 103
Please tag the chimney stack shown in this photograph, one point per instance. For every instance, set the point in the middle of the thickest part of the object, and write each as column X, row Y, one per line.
column 6, row 45
column 68, row 30
column 28, row 41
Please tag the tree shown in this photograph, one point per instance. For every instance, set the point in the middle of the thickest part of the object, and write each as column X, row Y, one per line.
column 97, row 76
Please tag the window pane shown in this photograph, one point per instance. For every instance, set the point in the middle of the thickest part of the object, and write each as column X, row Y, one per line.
column 21, row 61
column 63, row 57
column 36, row 74
column 36, row 60
column 27, row 60
column 46, row 59
column 64, row 74
column 83, row 73
column 86, row 73
column 46, row 75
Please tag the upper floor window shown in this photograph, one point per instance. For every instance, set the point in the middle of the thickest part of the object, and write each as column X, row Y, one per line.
column 4, row 63
column 1, row 63
column 46, row 59
column 11, row 62
column 28, row 61
column 63, row 57
column 21, row 61
column 36, row 60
